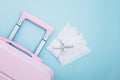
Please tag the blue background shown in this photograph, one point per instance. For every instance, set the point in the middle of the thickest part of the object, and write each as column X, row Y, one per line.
column 97, row 20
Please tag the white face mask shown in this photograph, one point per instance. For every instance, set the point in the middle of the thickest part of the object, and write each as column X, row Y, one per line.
column 69, row 45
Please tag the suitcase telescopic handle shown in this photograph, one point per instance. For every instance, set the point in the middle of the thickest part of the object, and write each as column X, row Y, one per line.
column 36, row 21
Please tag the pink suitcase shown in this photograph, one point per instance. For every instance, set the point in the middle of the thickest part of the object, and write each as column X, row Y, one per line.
column 18, row 63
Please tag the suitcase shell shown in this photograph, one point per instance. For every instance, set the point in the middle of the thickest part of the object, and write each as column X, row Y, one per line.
column 16, row 65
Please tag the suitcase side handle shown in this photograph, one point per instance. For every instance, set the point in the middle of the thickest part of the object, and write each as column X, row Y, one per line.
column 21, row 48
column 40, row 23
